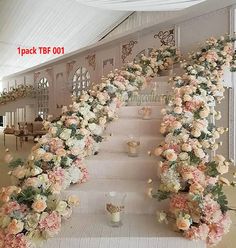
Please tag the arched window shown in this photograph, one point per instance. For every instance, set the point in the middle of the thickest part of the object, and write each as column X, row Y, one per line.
column 43, row 97
column 80, row 81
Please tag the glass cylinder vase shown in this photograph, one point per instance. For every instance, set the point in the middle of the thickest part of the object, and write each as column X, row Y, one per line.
column 115, row 208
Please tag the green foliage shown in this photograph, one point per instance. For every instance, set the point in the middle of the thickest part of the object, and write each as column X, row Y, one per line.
column 16, row 163
column 97, row 138
column 211, row 169
column 193, row 158
column 161, row 195
column 219, row 196
column 27, row 195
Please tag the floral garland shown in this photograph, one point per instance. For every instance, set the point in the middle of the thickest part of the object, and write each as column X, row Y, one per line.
column 33, row 210
column 15, row 93
column 191, row 181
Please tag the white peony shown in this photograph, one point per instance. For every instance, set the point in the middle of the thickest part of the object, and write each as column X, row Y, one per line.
column 183, row 156
column 178, row 110
column 199, row 153
column 196, row 132
column 65, row 134
column 186, row 147
column 204, row 113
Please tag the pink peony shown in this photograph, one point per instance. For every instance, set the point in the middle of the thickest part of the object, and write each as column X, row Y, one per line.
column 55, row 144
column 211, row 210
column 10, row 207
column 50, row 223
column 15, row 241
column 197, row 233
column 178, row 203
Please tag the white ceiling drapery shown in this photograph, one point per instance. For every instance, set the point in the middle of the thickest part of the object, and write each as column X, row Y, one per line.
column 44, row 23
column 141, row 5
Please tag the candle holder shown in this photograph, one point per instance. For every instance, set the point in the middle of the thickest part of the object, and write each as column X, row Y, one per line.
column 115, row 208
column 145, row 112
column 133, row 147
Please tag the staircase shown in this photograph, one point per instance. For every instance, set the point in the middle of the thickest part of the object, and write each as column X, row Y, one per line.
column 113, row 170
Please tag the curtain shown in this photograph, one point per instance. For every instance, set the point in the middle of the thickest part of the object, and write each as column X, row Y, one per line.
column 141, row 5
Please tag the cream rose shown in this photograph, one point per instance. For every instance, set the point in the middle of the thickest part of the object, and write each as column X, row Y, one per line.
column 204, row 112
column 47, row 156
column 205, row 144
column 176, row 125
column 219, row 158
column 196, row 188
column 187, row 98
column 196, row 132
column 162, row 129
column 15, row 226
column 178, row 110
column 65, row 134
column 39, row 205
column 158, row 151
column 222, row 168
column 183, row 156
column 19, row 172
column 199, row 153
column 170, row 155
column 178, row 101
column 183, row 223
column 61, row 206
column 186, row 147
column 73, row 200
column 216, row 135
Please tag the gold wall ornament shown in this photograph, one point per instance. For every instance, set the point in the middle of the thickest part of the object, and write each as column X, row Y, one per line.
column 127, row 49
column 91, row 60
column 167, row 38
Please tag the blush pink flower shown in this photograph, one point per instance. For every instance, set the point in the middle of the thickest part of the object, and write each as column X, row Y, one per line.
column 211, row 56
column 211, row 210
column 16, row 241
column 50, row 223
column 197, row 233
column 178, row 203
column 55, row 144
column 10, row 207
column 85, row 175
column 71, row 120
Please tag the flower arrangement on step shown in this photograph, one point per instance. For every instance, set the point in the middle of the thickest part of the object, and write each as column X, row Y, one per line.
column 32, row 210
column 191, row 181
column 15, row 93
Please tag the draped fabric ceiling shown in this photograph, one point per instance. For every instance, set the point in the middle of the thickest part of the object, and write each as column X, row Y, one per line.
column 141, row 5
column 71, row 24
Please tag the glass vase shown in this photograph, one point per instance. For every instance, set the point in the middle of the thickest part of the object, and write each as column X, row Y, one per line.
column 115, row 208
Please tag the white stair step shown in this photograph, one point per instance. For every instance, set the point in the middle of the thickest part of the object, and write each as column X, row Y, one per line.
column 137, row 231
column 117, row 143
column 132, row 111
column 134, row 126
column 117, row 165
column 92, row 195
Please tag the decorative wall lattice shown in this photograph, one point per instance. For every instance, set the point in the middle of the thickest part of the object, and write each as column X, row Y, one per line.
column 43, row 97
column 80, row 81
